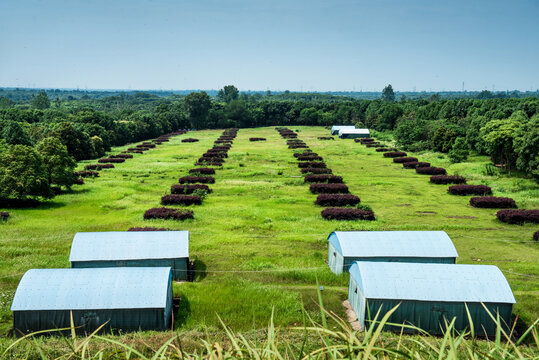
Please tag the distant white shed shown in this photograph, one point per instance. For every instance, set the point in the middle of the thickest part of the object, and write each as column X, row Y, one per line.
column 335, row 128
column 354, row 133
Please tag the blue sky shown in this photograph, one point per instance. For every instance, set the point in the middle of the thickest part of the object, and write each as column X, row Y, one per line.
column 299, row 45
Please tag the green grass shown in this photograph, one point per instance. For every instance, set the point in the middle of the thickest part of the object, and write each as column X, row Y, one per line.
column 259, row 241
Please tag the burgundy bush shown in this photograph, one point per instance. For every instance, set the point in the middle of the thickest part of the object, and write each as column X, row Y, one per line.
column 205, row 171
column 137, row 151
column 365, row 140
column 197, row 179
column 166, row 213
column 222, row 142
column 324, row 178
column 536, row 235
column 298, row 147
column 208, row 163
column 394, row 154
column 220, row 155
column 221, row 147
column 518, row 216
column 316, row 171
column 86, row 173
column 92, row 167
column 122, row 156
column 147, row 228
column 188, row 189
column 347, row 214
column 374, row 145
column 447, row 179
column 106, row 166
column 309, row 158
column 147, row 146
column 493, row 202
column 4, row 215
column 176, row 199
column 326, row 138
column 430, row 170
column 469, row 190
column 111, row 160
column 336, row 200
column 328, row 188
column 257, row 139
column 189, row 140
column 382, row 149
column 210, row 159
column 415, row 164
column 308, row 164
column 305, row 153
column 401, row 160
column 226, row 138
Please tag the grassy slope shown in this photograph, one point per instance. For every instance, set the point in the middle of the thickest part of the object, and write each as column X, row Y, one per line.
column 260, row 225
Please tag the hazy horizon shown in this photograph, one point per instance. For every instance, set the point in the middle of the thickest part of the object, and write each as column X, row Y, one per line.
column 300, row 46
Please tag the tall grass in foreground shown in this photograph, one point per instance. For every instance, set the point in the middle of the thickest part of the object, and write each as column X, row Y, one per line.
column 313, row 341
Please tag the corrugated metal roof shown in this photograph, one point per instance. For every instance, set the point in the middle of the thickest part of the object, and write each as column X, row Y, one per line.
column 129, row 245
column 338, row 127
column 432, row 282
column 393, row 243
column 92, row 289
column 353, row 131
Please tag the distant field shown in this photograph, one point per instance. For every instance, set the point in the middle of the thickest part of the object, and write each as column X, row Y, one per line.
column 259, row 240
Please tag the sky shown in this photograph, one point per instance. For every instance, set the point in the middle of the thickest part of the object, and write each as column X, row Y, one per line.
column 296, row 45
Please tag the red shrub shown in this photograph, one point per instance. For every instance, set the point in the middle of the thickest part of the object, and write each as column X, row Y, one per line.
column 166, row 213
column 298, row 147
column 316, row 171
column 469, row 190
column 374, row 145
column 147, row 146
column 210, row 159
column 394, row 154
column 221, row 148
column 401, row 160
column 326, row 138
column 332, row 179
column 137, row 151
column 176, row 199
column 111, row 160
column 309, row 158
column 518, row 216
column 221, row 155
column 222, row 142
column 204, row 171
column 447, row 179
column 188, row 189
column 430, row 170
column 208, row 163
column 336, row 200
column 305, row 153
column 189, row 140
column 197, row 179
column 122, row 156
column 4, row 215
column 308, row 164
column 106, row 166
column 415, row 164
column 146, row 228
column 257, row 139
column 492, row 202
column 86, row 173
column 364, row 140
column 328, row 188
column 347, row 214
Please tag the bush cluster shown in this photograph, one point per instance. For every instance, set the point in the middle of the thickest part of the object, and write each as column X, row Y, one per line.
column 374, row 145
column 166, row 213
column 286, row 133
column 209, row 163
column 493, row 202
column 189, row 140
column 415, row 164
column 394, row 154
column 146, row 146
column 197, row 179
column 223, row 142
column 220, row 155
column 134, row 151
column 332, row 179
column 221, row 147
column 98, row 166
column 401, row 160
column 316, row 171
column 430, row 170
column 326, row 138
column 189, row 189
column 364, row 140
column 176, row 199
column 337, row 200
column 518, row 216
column 210, row 159
column 147, row 228
column 309, row 164
column 321, row 188
column 469, row 190
column 122, row 156
column 298, row 146
column 447, row 179
column 111, row 160
column 4, row 215
column 309, row 158
column 347, row 214
column 204, row 171
column 257, row 139
column 383, row 149
column 86, row 173
column 305, row 153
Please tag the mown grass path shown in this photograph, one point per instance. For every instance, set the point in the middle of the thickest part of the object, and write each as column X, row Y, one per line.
column 260, row 227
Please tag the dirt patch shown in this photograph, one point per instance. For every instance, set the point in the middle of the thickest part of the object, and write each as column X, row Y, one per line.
column 462, row 217
column 403, row 205
column 351, row 316
column 426, row 212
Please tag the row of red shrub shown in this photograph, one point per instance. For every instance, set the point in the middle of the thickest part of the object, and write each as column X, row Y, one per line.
column 203, row 171
column 310, row 164
column 110, row 160
column 309, row 158
column 189, row 189
column 322, row 188
column 465, row 189
column 147, row 228
column 364, row 140
column 86, row 173
column 429, row 170
column 167, row 213
column 257, row 139
column 98, row 166
column 176, row 199
column 518, row 216
column 415, row 164
column 337, row 200
column 189, row 140
column 447, row 179
column 394, row 154
column 122, row 156
column 401, row 160
column 217, row 154
column 374, row 145
column 316, row 171
column 323, row 178
column 347, row 214
column 308, row 152
column 326, row 138
column 493, row 202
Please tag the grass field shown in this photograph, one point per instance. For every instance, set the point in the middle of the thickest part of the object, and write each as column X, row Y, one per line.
column 258, row 239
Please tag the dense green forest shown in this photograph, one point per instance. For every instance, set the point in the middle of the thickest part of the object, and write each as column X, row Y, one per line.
column 43, row 134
